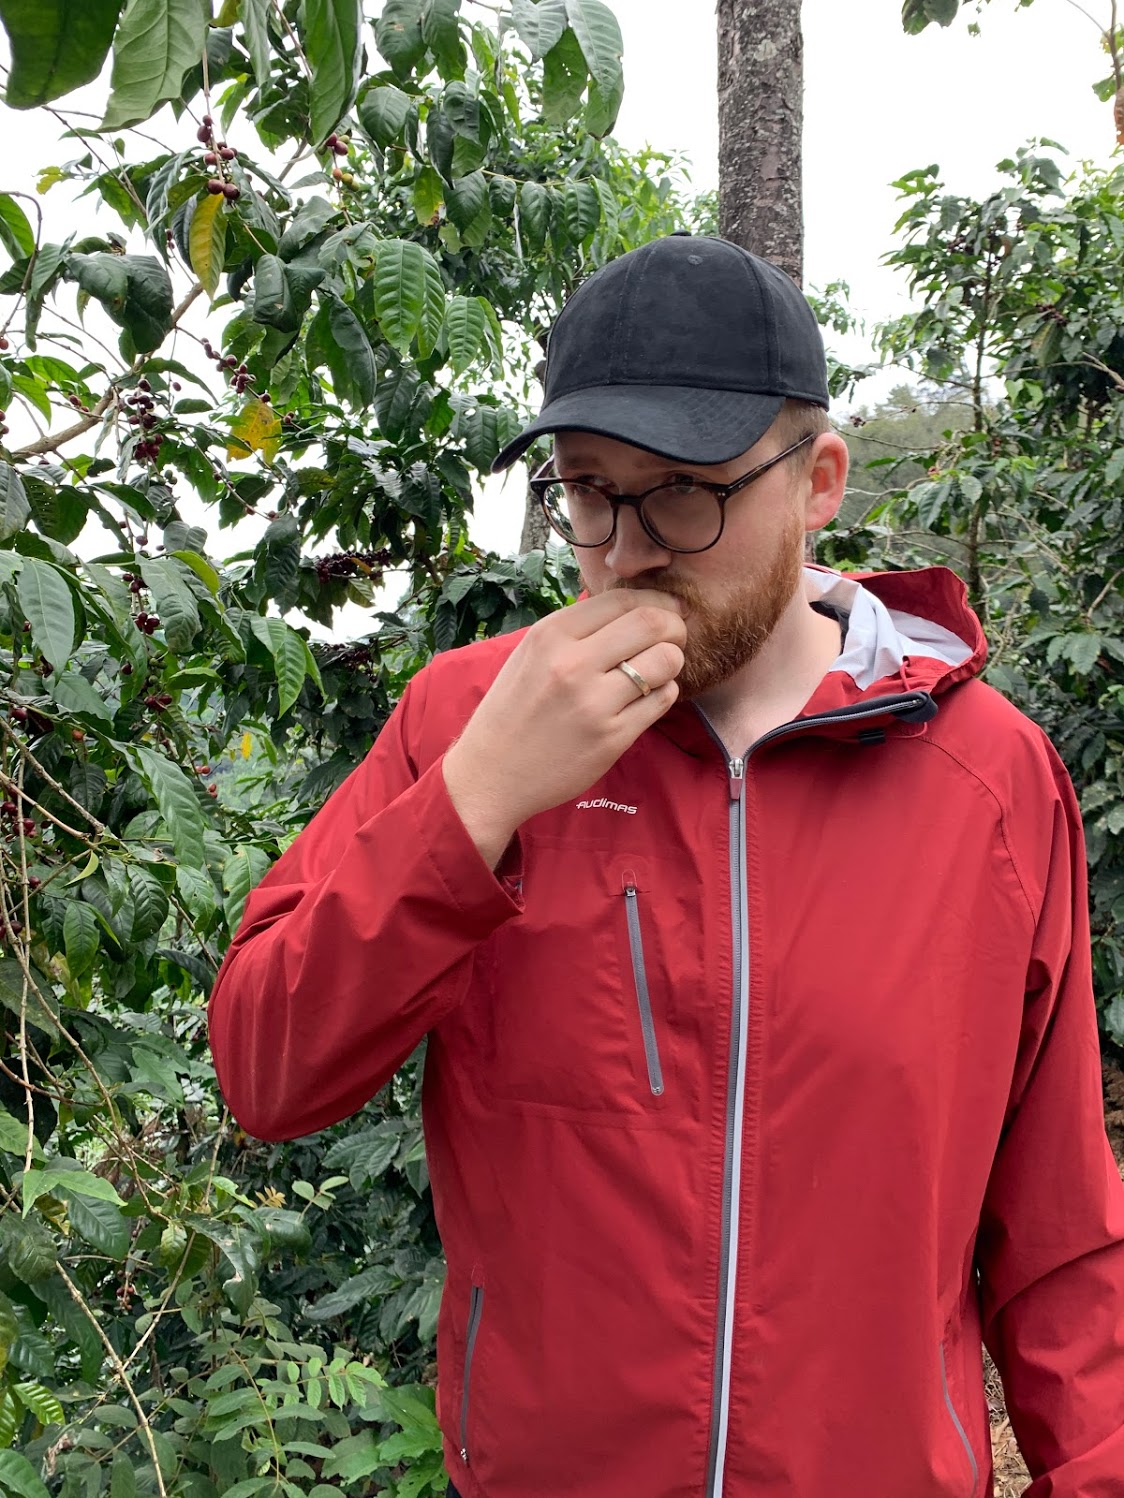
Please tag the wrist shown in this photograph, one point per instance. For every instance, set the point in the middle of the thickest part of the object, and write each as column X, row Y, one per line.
column 489, row 822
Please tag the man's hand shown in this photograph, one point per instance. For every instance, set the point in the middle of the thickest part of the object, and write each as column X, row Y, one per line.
column 559, row 713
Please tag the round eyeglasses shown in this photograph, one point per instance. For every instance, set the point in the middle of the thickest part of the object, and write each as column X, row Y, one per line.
column 685, row 515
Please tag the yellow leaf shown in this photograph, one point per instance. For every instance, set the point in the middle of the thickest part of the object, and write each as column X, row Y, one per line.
column 258, row 429
column 207, row 241
column 231, row 12
column 247, row 745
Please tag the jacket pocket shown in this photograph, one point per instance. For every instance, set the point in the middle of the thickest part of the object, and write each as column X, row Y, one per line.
column 972, row 1466
column 640, row 984
column 475, row 1311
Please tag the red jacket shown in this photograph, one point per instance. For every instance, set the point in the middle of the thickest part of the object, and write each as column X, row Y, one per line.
column 757, row 1091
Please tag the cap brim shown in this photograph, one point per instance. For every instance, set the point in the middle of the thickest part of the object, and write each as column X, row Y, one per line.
column 680, row 422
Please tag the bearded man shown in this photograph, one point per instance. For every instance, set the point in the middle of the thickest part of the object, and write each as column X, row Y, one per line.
column 749, row 931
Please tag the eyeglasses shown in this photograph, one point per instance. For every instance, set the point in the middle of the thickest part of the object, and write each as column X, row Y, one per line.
column 687, row 515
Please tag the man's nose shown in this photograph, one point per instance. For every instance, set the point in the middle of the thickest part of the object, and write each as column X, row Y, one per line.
column 632, row 551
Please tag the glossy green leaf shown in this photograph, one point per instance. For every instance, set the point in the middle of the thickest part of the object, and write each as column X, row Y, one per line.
column 102, row 1224
column 156, row 43
column 407, row 282
column 398, row 34
column 122, row 1477
column 14, row 508
column 466, row 200
column 41, row 1402
column 603, row 106
column 383, row 112
column 19, row 1477
column 486, row 431
column 539, row 23
column 581, row 209
column 29, row 1248
column 150, row 902
column 176, row 799
column 534, row 214
column 255, row 31
column 11, row 1412
column 16, row 233
column 56, row 46
column 81, row 937
column 353, row 364
column 207, row 240
column 440, row 27
column 565, row 75
column 287, row 650
column 599, row 35
column 175, row 602
column 52, row 1178
column 466, row 327
column 48, row 603
column 331, row 42
column 248, row 864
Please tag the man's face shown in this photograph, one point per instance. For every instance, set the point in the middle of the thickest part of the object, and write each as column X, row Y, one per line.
column 738, row 590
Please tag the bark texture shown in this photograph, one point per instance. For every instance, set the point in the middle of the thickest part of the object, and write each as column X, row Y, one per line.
column 760, row 128
column 536, row 531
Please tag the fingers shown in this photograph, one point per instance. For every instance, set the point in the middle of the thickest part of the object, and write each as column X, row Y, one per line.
column 658, row 665
column 586, row 618
column 624, row 637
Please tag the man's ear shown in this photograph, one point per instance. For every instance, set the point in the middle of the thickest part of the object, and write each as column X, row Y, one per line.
column 825, row 480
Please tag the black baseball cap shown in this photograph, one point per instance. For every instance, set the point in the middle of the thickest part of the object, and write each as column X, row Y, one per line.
column 688, row 347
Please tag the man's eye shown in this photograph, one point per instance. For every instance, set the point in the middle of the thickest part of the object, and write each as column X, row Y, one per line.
column 682, row 485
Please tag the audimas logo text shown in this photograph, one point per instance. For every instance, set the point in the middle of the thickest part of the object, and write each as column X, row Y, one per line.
column 602, row 805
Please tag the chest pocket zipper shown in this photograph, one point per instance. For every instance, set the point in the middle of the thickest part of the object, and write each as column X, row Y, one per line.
column 640, row 981
column 475, row 1310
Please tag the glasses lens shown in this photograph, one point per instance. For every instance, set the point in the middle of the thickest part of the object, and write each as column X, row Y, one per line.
column 581, row 514
column 684, row 517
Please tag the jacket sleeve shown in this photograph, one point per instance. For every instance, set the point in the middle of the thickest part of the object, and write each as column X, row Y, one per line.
column 354, row 945
column 1051, row 1246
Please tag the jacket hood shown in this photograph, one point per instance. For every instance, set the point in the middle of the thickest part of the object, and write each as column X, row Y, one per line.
column 906, row 631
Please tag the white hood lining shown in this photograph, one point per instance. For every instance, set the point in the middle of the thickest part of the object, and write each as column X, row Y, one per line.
column 878, row 638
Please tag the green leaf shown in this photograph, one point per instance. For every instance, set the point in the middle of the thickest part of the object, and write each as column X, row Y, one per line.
column 429, row 196
column 11, row 1415
column 207, row 240
column 398, row 35
column 18, row 1476
column 155, row 45
column 534, row 214
column 287, row 649
column 539, row 24
column 255, row 31
column 103, row 1225
column 123, row 1478
column 16, row 233
column 383, row 112
column 178, row 804
column 468, row 196
column 352, row 1458
column 41, row 1402
column 942, row 11
column 599, row 35
column 150, row 902
column 57, row 45
column 48, row 603
column 244, row 868
column 176, row 605
column 409, row 294
column 13, row 1138
column 581, row 210
column 53, row 1178
column 14, row 508
column 29, row 1247
column 466, row 325
column 353, row 366
column 81, row 933
column 602, row 107
column 441, row 32
column 564, row 78
column 331, row 42
column 486, row 431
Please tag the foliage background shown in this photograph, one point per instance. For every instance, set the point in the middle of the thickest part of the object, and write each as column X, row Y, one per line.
column 267, row 391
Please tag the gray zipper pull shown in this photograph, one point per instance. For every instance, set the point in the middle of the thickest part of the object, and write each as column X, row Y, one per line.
column 737, row 779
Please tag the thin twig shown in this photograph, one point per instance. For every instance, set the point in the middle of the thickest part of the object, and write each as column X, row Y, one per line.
column 80, row 1301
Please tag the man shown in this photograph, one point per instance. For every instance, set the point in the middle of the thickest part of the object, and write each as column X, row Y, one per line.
column 749, row 932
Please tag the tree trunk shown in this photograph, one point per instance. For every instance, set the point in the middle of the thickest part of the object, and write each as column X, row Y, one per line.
column 760, row 125
column 536, row 531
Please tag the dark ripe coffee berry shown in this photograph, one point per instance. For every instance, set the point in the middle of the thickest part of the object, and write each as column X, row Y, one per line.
column 4, row 344
column 212, row 790
column 230, row 362
column 153, row 624
column 176, row 385
column 27, row 626
column 231, row 192
column 210, row 159
column 8, row 808
column 203, row 133
column 151, row 702
column 33, row 883
column 228, row 153
column 214, row 187
column 127, row 668
column 15, row 927
column 208, row 121
column 243, row 369
column 28, row 826
column 142, row 384
column 165, row 699
column 47, row 669
column 202, row 769
column 142, row 540
column 333, row 141
column 19, row 714
column 340, row 148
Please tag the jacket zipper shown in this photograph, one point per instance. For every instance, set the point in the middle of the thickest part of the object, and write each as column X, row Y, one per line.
column 640, row 981
column 960, row 1431
column 911, row 707
column 475, row 1310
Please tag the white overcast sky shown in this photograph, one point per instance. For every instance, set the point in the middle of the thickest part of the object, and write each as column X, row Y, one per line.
column 877, row 104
